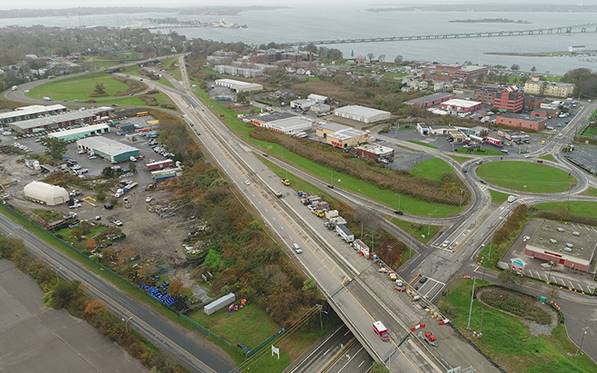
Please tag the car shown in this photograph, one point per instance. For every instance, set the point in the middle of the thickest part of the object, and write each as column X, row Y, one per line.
column 446, row 243
column 74, row 206
column 297, row 249
column 148, row 199
column 247, row 182
column 330, row 186
column 398, row 212
column 117, row 222
column 423, row 280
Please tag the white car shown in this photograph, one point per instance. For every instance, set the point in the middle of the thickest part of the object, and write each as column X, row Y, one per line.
column 148, row 199
column 117, row 222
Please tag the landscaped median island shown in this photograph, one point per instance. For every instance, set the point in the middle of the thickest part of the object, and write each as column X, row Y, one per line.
column 516, row 332
column 526, row 176
column 396, row 189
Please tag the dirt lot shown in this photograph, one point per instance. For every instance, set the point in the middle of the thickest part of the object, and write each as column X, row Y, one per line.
column 35, row 338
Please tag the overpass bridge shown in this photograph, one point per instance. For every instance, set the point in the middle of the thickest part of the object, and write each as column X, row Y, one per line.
column 558, row 30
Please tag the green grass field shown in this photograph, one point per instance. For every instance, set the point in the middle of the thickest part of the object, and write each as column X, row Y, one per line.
column 583, row 209
column 82, row 89
column 171, row 66
column 422, row 232
column 590, row 131
column 506, row 339
column 249, row 326
column 392, row 199
column 498, row 197
column 590, row 192
column 526, row 176
column 432, row 169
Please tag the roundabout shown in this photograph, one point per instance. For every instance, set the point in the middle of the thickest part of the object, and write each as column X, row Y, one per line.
column 526, row 177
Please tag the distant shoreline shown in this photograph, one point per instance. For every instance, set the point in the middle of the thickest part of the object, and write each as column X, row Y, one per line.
column 544, row 54
column 491, row 20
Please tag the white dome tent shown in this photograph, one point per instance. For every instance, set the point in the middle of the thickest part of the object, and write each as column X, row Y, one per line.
column 48, row 194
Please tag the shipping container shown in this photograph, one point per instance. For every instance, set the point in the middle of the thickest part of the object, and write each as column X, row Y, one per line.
column 219, row 303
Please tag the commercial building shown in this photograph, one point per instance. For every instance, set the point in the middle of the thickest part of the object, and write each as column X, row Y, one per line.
column 341, row 136
column 260, row 120
column 303, row 104
column 30, row 112
column 375, row 152
column 454, row 72
column 238, row 86
column 75, row 134
column 570, row 245
column 501, row 97
column 245, row 72
column 290, row 126
column 538, row 87
column 46, row 194
column 318, row 98
column 111, row 150
column 520, row 121
column 428, row 101
column 68, row 119
column 457, row 105
column 362, row 114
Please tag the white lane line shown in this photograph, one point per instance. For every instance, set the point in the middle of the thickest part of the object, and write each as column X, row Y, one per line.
column 326, row 352
column 350, row 359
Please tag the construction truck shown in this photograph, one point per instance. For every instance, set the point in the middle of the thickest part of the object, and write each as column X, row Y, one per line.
column 285, row 182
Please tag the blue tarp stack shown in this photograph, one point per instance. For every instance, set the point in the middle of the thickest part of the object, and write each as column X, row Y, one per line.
column 160, row 293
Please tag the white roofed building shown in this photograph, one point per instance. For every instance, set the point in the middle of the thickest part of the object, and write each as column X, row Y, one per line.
column 46, row 194
column 362, row 114
column 238, row 86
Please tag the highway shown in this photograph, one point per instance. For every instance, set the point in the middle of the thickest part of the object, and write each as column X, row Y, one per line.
column 370, row 295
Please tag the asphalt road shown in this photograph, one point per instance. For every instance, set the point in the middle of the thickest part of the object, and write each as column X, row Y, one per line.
column 190, row 349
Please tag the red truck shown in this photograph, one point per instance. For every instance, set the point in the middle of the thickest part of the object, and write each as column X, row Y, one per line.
column 493, row 141
column 380, row 329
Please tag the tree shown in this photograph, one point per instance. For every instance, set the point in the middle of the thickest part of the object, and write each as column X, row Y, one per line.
column 108, row 172
column 370, row 56
column 382, row 57
column 398, row 59
column 533, row 69
column 175, row 286
column 100, row 90
column 93, row 307
column 133, row 167
column 55, row 148
column 508, row 278
column 515, row 67
column 63, row 293
column 90, row 244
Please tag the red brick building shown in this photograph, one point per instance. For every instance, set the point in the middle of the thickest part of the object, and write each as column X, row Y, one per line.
column 501, row 97
column 520, row 121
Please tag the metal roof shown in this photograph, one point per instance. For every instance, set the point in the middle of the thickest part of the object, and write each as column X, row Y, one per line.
column 31, row 110
column 60, row 118
column 75, row 131
column 105, row 145
column 359, row 110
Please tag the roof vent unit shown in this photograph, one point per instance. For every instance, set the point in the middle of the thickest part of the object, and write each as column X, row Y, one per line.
column 567, row 249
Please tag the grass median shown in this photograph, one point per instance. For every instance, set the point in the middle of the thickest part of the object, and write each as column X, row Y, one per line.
column 526, row 176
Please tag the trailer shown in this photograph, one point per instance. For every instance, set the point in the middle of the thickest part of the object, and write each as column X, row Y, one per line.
column 219, row 303
column 164, row 174
column 344, row 232
column 361, row 248
column 493, row 141
column 159, row 165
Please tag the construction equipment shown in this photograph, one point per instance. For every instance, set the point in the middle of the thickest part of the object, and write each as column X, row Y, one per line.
column 285, row 182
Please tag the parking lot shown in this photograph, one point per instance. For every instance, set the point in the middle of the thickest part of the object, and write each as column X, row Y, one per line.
column 35, row 338
column 430, row 289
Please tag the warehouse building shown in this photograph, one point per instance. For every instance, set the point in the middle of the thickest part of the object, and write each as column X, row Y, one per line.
column 238, row 86
column 30, row 112
column 111, row 150
column 428, row 101
column 521, row 121
column 260, row 120
column 457, row 105
column 64, row 120
column 75, row 134
column 375, row 152
column 290, row 126
column 245, row 72
column 340, row 136
column 362, row 114
column 46, row 194
column 570, row 245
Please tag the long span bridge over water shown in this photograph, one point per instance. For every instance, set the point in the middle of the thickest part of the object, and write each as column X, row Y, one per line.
column 557, row 30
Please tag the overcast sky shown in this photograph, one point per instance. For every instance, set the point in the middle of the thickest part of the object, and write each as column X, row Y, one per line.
column 7, row 4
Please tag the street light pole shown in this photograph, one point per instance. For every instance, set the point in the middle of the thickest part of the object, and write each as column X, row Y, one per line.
column 470, row 307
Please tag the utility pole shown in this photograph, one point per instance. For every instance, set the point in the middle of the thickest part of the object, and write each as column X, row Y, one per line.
column 470, row 307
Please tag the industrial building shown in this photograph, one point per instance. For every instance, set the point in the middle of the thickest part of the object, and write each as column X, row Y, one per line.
column 63, row 120
column 520, row 121
column 375, row 152
column 238, row 86
column 30, row 112
column 538, row 87
column 245, row 72
column 570, row 245
column 457, row 105
column 501, row 97
column 46, row 194
column 111, row 150
column 290, row 126
column 454, row 72
column 428, row 101
column 260, row 120
column 75, row 134
column 341, row 136
column 362, row 114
